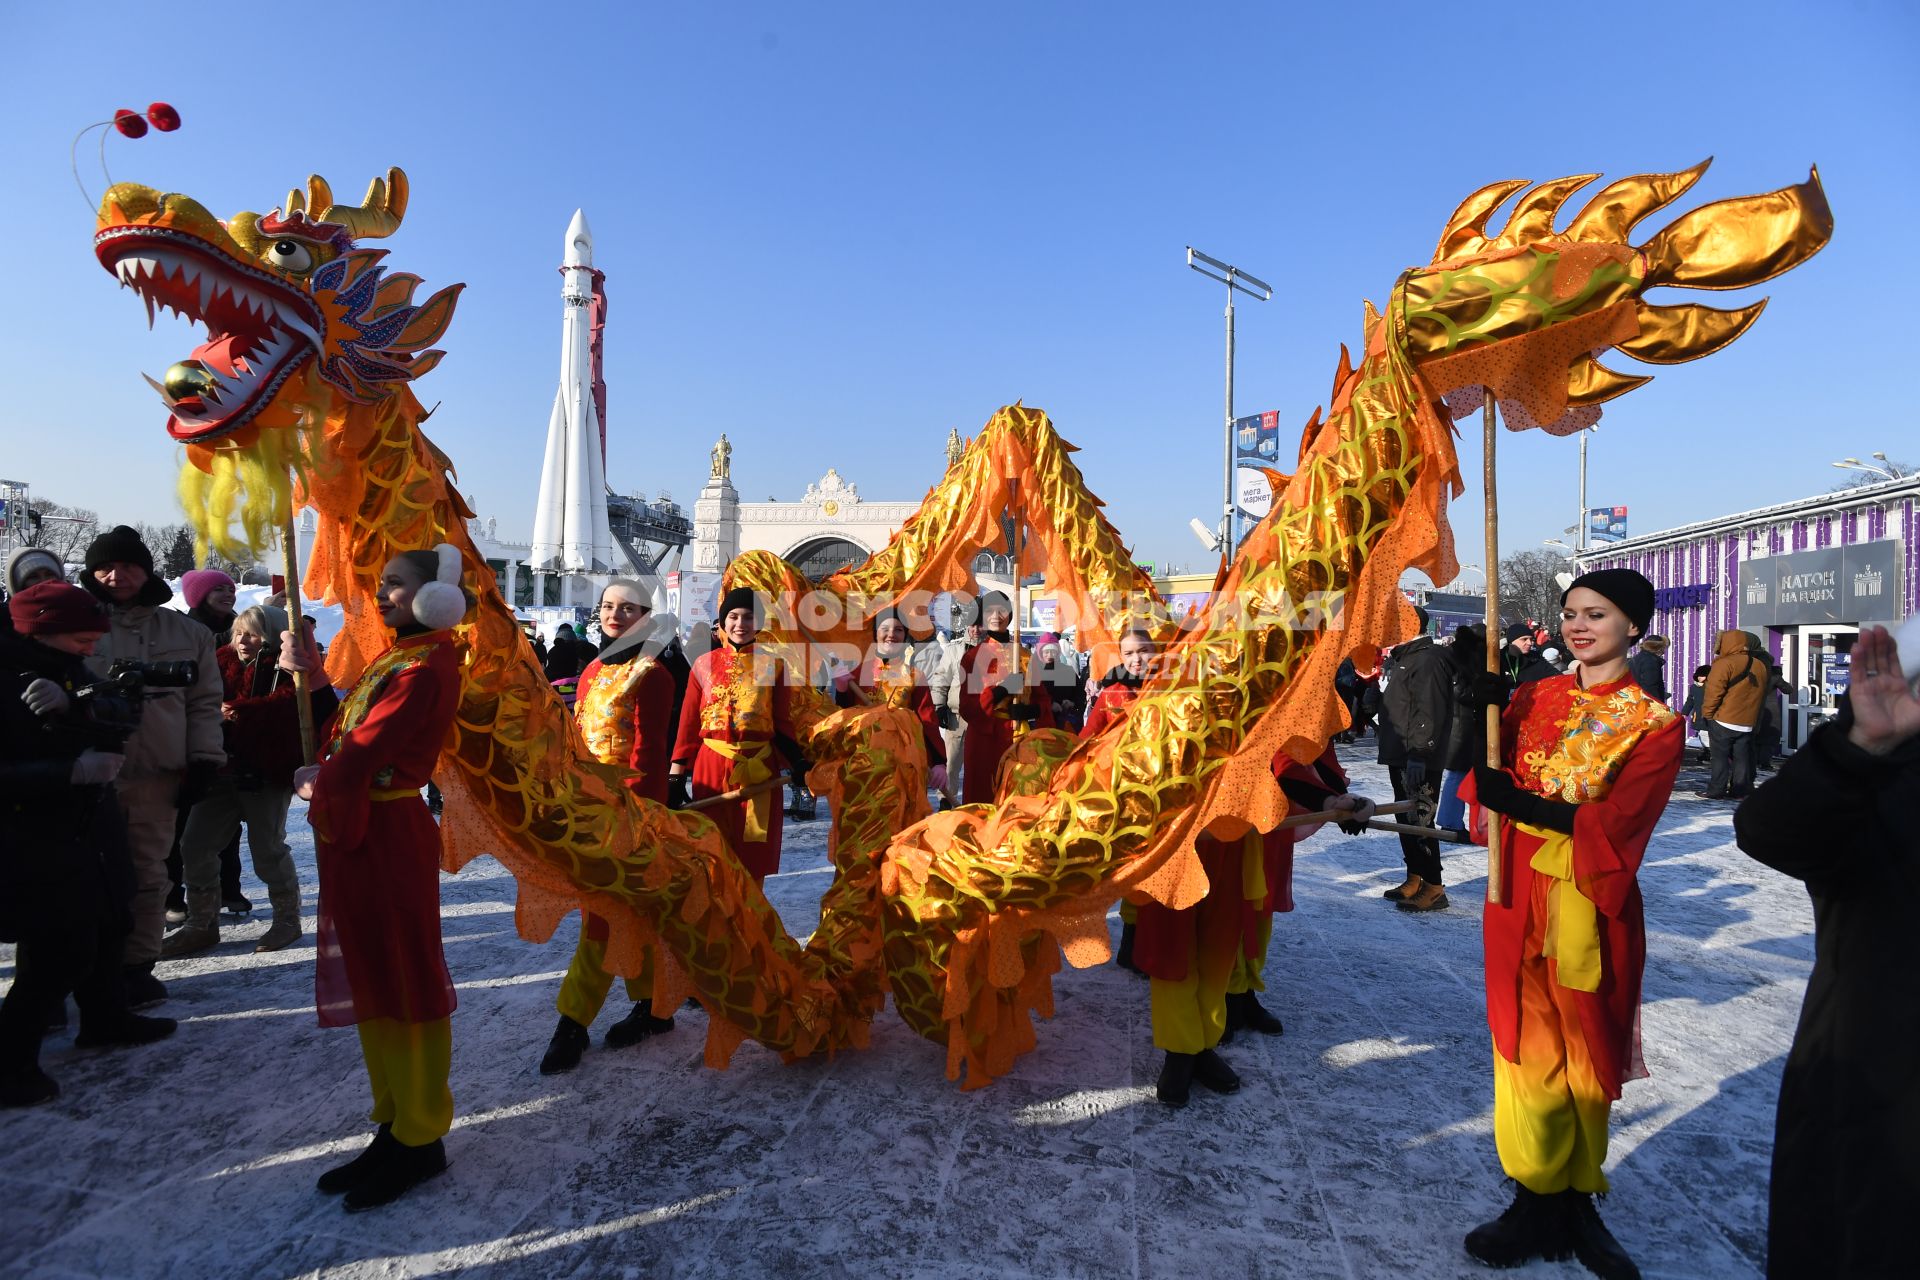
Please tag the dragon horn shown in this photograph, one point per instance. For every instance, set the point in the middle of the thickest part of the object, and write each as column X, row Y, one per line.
column 1533, row 216
column 1465, row 230
column 1609, row 218
column 378, row 215
column 1738, row 242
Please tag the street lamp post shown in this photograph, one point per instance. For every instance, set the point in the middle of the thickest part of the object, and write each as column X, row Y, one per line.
column 1887, row 471
column 1255, row 288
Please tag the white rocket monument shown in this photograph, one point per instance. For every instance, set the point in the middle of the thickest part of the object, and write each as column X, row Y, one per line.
column 570, row 534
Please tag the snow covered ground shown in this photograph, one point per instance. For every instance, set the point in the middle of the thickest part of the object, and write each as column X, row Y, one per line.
column 1361, row 1144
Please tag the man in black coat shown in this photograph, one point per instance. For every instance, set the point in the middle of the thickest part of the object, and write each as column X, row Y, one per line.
column 1416, row 715
column 65, row 880
column 1839, row 816
column 1524, row 661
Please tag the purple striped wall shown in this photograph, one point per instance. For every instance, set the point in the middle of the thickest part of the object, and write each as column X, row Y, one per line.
column 1695, row 631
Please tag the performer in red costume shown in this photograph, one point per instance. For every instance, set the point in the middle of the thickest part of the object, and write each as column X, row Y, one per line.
column 627, row 710
column 993, row 700
column 1206, row 961
column 892, row 676
column 733, row 719
column 1309, row 788
column 1589, row 764
column 1117, row 694
column 379, row 962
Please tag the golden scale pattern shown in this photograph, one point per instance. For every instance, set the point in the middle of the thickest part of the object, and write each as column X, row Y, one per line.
column 964, row 915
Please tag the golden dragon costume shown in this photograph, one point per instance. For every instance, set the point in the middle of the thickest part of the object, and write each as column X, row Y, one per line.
column 300, row 395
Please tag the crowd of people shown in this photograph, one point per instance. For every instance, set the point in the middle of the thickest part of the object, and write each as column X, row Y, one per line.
column 133, row 729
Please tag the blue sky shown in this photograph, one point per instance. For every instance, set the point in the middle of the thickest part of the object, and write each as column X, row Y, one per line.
column 835, row 231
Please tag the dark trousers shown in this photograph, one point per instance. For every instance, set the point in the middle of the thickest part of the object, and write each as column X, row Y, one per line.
column 1729, row 758
column 84, row 959
column 1421, row 852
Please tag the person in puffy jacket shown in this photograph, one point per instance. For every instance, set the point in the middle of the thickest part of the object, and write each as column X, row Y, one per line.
column 261, row 727
column 64, row 877
column 174, row 754
column 1732, row 704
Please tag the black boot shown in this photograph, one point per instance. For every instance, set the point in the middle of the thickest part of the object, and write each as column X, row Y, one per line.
column 1534, row 1226
column 1592, row 1243
column 345, row 1177
column 397, row 1171
column 1124, row 956
column 27, row 1086
column 143, row 990
column 1236, row 1018
column 120, row 1029
column 1211, row 1070
column 1176, row 1080
column 570, row 1040
column 637, row 1026
column 1245, row 1010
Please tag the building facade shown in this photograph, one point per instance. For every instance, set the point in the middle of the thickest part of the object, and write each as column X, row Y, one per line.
column 1802, row 576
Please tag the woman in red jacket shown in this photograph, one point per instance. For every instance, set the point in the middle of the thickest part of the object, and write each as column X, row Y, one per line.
column 890, row 677
column 260, row 720
column 1589, row 761
column 995, row 700
column 626, row 708
column 380, row 965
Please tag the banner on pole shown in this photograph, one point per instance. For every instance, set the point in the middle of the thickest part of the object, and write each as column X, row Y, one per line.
column 1606, row 523
column 1256, row 444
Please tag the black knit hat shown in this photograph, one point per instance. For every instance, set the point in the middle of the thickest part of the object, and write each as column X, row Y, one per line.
column 995, row 600
column 119, row 544
column 1629, row 591
column 742, row 598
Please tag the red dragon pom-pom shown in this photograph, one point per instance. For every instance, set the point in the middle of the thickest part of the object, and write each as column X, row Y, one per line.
column 130, row 123
column 163, row 117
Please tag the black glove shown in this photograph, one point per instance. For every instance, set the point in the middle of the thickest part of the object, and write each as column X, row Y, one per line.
column 1023, row 711
column 195, row 784
column 948, row 720
column 677, row 797
column 1414, row 772
column 1356, row 827
column 1499, row 792
column 1490, row 689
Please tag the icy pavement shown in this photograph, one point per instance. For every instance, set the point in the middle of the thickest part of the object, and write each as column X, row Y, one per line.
column 1361, row 1144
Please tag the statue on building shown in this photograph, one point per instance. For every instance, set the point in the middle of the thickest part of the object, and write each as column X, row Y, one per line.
column 722, row 458
column 955, row 445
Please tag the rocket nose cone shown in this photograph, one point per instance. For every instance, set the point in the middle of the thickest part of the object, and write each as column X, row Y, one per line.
column 579, row 250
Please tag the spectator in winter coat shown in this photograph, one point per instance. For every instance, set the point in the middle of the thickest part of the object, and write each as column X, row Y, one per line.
column 1524, row 661
column 947, row 684
column 566, row 655
column 261, row 731
column 1732, row 703
column 1061, row 680
column 1839, row 816
column 64, row 878
column 1766, row 730
column 1468, row 654
column 1416, row 700
column 1648, row 667
column 173, row 756
column 27, row 567
column 209, row 596
column 1691, row 709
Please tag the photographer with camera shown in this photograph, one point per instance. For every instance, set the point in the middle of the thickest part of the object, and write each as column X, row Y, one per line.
column 64, row 878
column 173, row 755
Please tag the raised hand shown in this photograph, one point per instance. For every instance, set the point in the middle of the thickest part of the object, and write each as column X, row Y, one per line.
column 1886, row 711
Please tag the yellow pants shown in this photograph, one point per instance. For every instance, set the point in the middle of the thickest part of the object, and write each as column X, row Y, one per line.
column 1550, row 1110
column 1250, row 972
column 407, row 1065
column 1191, row 1015
column 584, row 990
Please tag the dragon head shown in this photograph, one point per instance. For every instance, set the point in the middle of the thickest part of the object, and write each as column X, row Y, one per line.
column 296, row 314
column 1528, row 311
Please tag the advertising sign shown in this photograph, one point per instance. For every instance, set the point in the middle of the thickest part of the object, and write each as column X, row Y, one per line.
column 1860, row 583
column 1836, row 672
column 699, row 597
column 1609, row 524
column 1256, row 444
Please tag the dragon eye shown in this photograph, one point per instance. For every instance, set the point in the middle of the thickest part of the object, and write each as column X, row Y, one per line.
column 290, row 255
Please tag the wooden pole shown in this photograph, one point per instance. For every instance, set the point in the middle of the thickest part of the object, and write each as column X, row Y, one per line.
column 290, row 545
column 1338, row 815
column 743, row 793
column 1496, row 880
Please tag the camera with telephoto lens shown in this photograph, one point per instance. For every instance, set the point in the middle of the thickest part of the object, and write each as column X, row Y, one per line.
column 106, row 712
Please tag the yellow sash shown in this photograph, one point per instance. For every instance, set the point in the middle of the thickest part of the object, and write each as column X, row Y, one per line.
column 1573, row 924
column 392, row 793
column 750, row 767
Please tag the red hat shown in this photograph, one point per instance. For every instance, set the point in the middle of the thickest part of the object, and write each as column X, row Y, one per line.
column 55, row 608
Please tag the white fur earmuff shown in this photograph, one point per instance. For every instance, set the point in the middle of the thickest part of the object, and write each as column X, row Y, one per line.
column 441, row 603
